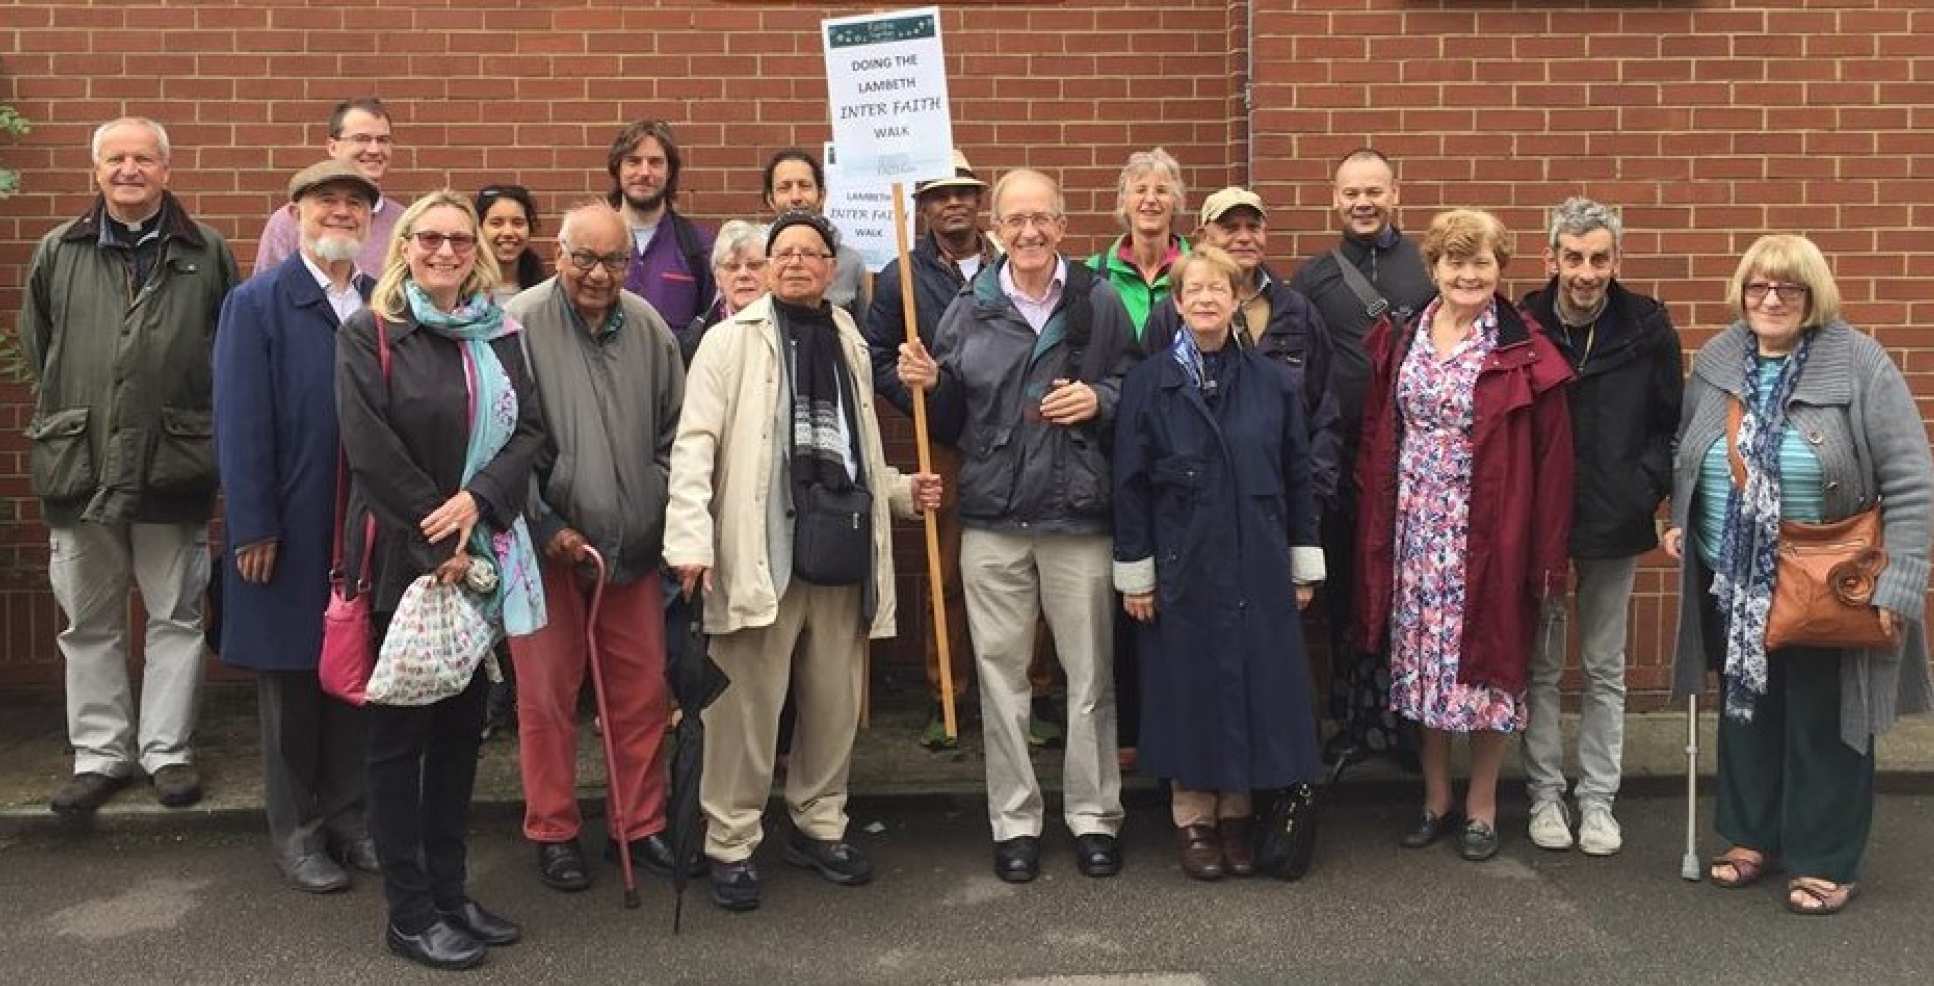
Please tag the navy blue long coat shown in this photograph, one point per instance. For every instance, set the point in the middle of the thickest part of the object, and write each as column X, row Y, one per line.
column 1216, row 492
column 276, row 444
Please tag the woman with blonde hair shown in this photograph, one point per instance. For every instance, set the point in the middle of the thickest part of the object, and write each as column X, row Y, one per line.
column 440, row 429
column 1148, row 197
column 1826, row 429
column 1466, row 473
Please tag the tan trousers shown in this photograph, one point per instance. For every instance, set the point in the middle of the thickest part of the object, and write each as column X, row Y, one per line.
column 1192, row 807
column 1010, row 580
column 742, row 727
column 1040, row 670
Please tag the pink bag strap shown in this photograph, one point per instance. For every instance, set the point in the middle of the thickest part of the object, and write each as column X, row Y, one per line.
column 342, row 486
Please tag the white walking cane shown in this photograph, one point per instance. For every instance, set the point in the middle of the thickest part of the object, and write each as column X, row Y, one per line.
column 1689, row 866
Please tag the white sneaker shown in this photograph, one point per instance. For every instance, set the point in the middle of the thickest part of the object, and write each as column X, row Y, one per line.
column 1550, row 826
column 1598, row 833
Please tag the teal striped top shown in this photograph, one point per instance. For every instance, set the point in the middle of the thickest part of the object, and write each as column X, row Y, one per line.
column 1802, row 484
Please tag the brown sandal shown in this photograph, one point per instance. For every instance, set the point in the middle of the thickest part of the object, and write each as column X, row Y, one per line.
column 1746, row 869
column 1817, row 897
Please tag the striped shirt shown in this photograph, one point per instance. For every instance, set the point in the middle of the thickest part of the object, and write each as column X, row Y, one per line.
column 1802, row 483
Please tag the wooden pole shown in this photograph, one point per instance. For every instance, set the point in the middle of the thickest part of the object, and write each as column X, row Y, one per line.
column 935, row 588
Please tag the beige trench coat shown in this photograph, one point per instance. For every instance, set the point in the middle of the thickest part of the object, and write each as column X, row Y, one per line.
column 721, row 473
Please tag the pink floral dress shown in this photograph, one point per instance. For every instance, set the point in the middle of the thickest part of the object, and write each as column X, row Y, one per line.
column 1437, row 399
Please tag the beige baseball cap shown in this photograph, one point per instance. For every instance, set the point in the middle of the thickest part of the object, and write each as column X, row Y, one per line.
column 329, row 172
column 963, row 177
column 1231, row 198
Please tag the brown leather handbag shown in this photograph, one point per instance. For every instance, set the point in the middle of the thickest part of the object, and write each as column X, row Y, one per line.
column 1823, row 589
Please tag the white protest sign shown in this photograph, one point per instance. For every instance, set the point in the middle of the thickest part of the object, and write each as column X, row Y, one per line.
column 863, row 215
column 886, row 89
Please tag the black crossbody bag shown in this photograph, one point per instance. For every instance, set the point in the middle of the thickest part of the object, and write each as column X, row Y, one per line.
column 832, row 530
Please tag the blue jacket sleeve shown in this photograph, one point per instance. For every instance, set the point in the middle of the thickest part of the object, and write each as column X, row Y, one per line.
column 1324, row 415
column 1134, row 499
column 885, row 329
column 245, row 425
column 947, row 404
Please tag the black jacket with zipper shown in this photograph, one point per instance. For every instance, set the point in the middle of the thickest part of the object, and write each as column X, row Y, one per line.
column 1624, row 414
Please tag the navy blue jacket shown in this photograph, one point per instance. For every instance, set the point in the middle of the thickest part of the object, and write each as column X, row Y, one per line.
column 1019, row 472
column 1296, row 337
column 276, row 445
column 1216, row 492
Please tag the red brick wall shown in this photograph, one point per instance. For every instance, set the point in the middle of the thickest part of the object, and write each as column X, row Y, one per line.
column 1709, row 125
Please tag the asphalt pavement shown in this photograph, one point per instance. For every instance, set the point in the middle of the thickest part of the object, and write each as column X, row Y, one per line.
column 190, row 905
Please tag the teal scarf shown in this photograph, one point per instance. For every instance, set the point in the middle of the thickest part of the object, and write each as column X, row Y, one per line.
column 518, row 600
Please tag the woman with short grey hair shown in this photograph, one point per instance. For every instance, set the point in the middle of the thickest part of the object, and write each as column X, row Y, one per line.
column 1826, row 429
column 739, row 269
column 1148, row 197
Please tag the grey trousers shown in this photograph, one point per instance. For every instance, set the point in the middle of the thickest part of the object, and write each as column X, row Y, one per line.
column 314, row 764
column 1604, row 596
column 89, row 567
column 1010, row 580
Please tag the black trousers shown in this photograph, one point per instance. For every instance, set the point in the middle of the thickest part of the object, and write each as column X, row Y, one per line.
column 422, row 767
column 314, row 755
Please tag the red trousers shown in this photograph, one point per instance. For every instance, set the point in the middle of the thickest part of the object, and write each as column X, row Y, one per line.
column 551, row 668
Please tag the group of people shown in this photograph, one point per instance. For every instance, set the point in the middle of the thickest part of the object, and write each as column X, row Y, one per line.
column 1161, row 456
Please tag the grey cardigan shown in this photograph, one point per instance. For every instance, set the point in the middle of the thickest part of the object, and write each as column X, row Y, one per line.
column 1853, row 407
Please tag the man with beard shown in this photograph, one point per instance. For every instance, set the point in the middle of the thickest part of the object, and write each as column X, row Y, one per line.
column 1624, row 416
column 1373, row 272
column 671, row 257
column 276, row 435
column 359, row 136
column 117, row 318
column 610, row 379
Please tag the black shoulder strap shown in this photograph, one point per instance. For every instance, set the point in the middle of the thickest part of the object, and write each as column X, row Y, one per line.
column 1081, row 322
column 696, row 262
column 1374, row 303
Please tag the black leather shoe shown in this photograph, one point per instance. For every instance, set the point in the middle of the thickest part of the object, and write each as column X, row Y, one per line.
column 1097, row 854
column 177, row 785
column 357, row 854
column 1429, row 829
column 85, row 792
column 1478, row 842
column 488, row 928
column 735, row 886
column 438, row 946
column 561, row 866
column 1017, row 860
column 313, row 873
column 653, row 854
column 836, row 860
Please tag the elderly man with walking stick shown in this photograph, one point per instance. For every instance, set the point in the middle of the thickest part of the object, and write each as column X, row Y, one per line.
column 610, row 382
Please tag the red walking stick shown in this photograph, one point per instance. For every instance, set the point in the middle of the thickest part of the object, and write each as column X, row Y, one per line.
column 614, row 795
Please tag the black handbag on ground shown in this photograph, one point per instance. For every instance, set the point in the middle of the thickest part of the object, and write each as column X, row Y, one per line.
column 1286, row 840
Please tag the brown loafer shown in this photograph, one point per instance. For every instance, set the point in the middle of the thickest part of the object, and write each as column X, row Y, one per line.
column 1201, row 853
column 1238, row 852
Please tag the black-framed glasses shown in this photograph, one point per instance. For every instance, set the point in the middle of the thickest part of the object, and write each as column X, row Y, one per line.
column 787, row 258
column 432, row 241
column 614, row 264
column 1758, row 290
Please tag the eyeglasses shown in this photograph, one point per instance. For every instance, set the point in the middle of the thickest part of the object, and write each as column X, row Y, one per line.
column 787, row 258
column 735, row 266
column 1021, row 221
column 432, row 241
column 1757, row 291
column 614, row 263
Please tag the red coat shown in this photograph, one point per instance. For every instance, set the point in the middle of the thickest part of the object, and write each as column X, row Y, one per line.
column 1520, row 496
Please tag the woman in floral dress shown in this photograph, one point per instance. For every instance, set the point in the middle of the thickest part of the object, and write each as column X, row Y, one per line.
column 1467, row 484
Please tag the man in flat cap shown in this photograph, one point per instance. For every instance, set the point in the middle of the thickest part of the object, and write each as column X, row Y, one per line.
column 275, row 429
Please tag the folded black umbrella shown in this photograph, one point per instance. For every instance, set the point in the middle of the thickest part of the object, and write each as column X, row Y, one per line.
column 696, row 681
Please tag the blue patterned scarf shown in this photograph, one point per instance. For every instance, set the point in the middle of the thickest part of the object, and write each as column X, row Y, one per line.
column 518, row 600
column 1742, row 581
